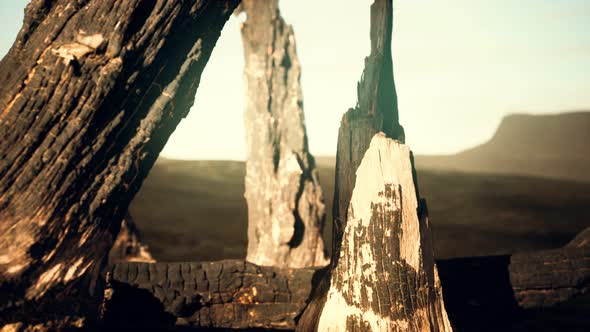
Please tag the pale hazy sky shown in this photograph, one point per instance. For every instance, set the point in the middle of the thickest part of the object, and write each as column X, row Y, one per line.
column 460, row 66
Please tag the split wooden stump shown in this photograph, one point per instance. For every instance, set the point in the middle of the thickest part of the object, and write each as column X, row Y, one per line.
column 385, row 278
column 91, row 90
column 382, row 275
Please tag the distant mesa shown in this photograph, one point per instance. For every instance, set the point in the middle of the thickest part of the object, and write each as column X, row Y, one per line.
column 552, row 146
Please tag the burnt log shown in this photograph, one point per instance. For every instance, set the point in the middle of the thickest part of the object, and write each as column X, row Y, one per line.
column 91, row 91
column 223, row 294
column 497, row 291
column 544, row 278
column 480, row 293
column 286, row 211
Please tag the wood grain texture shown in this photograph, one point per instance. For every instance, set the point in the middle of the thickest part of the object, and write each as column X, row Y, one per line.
column 376, row 111
column 478, row 291
column 544, row 278
column 286, row 211
column 385, row 278
column 223, row 294
column 495, row 292
column 91, row 91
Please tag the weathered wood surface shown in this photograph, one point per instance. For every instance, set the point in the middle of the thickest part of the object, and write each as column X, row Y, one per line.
column 545, row 278
column 385, row 278
column 224, row 294
column 89, row 94
column 478, row 291
column 376, row 111
column 128, row 246
column 286, row 211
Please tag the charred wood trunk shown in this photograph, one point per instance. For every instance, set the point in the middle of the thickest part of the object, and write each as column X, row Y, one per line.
column 385, row 278
column 224, row 294
column 128, row 246
column 286, row 211
column 376, row 111
column 497, row 291
column 480, row 293
column 382, row 276
column 91, row 91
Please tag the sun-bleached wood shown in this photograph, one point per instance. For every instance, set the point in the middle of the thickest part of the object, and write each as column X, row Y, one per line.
column 376, row 111
column 385, row 279
column 286, row 211
column 227, row 294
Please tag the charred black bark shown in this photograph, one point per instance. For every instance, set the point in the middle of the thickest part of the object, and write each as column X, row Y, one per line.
column 490, row 293
column 224, row 294
column 90, row 92
column 480, row 293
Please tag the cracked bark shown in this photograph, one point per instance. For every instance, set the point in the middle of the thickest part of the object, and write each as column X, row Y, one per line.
column 286, row 211
column 491, row 292
column 497, row 291
column 544, row 278
column 224, row 294
column 356, row 293
column 91, row 91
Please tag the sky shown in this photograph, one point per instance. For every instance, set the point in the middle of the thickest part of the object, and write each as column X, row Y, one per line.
column 459, row 66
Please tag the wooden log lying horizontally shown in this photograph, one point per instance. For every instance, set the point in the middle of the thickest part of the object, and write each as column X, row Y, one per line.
column 496, row 290
column 223, row 294
column 544, row 278
column 491, row 291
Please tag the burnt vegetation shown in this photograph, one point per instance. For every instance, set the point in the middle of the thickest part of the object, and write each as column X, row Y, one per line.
column 91, row 90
